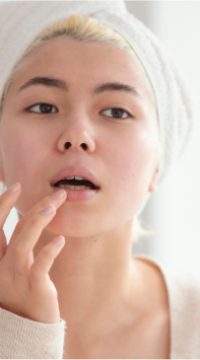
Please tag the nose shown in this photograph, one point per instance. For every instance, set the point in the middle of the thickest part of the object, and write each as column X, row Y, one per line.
column 78, row 136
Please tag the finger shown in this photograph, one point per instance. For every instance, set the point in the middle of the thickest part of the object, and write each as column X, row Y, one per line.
column 48, row 200
column 30, row 233
column 7, row 201
column 21, row 252
column 31, row 225
column 3, row 244
column 45, row 259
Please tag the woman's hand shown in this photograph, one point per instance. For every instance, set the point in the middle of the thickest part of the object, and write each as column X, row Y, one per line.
column 25, row 286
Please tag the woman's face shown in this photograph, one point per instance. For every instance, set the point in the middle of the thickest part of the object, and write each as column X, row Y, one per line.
column 122, row 146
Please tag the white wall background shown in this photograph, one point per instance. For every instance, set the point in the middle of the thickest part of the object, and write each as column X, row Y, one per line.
column 173, row 210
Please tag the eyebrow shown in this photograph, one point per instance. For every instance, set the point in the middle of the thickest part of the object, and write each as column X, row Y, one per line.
column 46, row 81
column 62, row 85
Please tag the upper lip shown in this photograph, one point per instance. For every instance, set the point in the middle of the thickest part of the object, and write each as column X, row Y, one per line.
column 75, row 171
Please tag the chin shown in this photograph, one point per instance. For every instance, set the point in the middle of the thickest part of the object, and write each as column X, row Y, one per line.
column 71, row 228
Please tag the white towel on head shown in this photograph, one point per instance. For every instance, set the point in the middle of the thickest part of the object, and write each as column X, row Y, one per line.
column 22, row 21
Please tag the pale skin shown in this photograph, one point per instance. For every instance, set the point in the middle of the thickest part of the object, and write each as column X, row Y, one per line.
column 92, row 280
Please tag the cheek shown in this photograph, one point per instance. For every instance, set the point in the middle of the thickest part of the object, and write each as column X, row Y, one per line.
column 18, row 154
column 133, row 166
column 22, row 155
column 135, row 158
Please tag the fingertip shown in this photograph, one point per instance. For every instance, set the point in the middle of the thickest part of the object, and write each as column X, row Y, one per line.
column 59, row 241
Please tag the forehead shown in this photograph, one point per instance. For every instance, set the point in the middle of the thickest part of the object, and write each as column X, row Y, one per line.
column 84, row 62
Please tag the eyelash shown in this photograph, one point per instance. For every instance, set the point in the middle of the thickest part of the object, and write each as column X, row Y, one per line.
column 116, row 109
column 28, row 109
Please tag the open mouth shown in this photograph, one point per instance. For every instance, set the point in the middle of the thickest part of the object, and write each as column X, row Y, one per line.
column 75, row 183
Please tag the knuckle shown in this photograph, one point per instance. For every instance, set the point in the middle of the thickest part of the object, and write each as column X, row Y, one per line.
column 33, row 220
column 41, row 205
column 6, row 203
column 46, row 252
column 20, row 266
column 35, row 274
column 29, row 221
column 18, row 252
column 19, row 270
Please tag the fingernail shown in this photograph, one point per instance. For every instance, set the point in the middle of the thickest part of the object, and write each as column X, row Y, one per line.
column 59, row 240
column 14, row 188
column 59, row 194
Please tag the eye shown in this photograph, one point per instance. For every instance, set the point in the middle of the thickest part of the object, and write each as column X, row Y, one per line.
column 117, row 113
column 42, row 108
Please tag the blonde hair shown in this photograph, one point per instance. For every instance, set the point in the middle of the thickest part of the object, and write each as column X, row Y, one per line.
column 78, row 27
column 86, row 29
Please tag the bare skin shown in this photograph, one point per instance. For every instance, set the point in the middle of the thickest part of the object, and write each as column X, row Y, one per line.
column 26, row 288
column 148, row 337
column 21, row 297
column 102, row 290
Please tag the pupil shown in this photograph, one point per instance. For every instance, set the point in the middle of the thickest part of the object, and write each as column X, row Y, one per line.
column 45, row 108
column 117, row 113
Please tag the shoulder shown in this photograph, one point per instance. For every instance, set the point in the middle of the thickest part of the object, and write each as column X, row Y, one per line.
column 177, row 282
column 183, row 288
column 184, row 304
column 183, row 309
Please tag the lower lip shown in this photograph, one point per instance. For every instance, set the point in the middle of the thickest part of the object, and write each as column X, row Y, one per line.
column 80, row 195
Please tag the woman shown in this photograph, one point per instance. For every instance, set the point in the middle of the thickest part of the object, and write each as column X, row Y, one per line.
column 83, row 144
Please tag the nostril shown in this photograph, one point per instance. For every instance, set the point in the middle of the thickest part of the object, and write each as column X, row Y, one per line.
column 67, row 145
column 84, row 146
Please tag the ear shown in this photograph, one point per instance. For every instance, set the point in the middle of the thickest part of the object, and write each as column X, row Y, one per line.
column 154, row 181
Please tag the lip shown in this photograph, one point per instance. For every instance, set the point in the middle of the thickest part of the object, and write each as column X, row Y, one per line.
column 81, row 171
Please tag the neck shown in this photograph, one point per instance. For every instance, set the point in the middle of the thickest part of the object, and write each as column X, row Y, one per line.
column 97, row 281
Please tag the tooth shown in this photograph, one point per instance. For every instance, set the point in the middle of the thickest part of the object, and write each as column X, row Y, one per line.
column 73, row 187
column 78, row 178
column 74, row 177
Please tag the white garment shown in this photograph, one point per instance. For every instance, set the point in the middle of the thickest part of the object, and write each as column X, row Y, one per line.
column 184, row 301
column 24, row 338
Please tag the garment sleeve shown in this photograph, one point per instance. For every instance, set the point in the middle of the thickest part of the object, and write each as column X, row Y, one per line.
column 24, row 338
